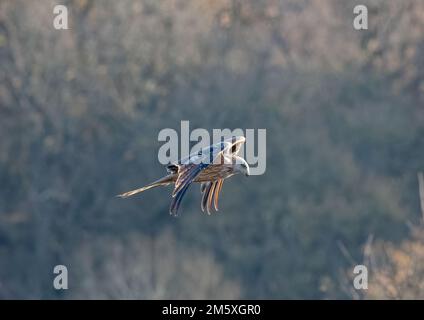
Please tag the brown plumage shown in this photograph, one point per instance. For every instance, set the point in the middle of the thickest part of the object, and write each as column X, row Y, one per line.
column 211, row 176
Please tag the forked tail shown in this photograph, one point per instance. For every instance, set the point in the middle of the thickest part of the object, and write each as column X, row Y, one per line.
column 161, row 182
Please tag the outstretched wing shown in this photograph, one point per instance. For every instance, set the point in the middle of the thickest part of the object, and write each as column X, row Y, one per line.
column 234, row 142
column 190, row 167
column 188, row 172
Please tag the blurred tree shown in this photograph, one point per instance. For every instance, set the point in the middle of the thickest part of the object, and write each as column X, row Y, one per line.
column 80, row 111
column 142, row 267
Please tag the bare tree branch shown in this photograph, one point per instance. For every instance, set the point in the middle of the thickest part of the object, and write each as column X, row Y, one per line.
column 421, row 191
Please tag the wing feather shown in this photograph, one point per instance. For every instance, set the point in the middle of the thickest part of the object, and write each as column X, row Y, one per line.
column 200, row 161
column 190, row 167
column 210, row 192
column 210, row 196
column 176, row 201
column 217, row 191
column 205, row 188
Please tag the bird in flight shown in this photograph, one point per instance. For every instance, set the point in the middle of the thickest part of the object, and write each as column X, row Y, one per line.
column 210, row 167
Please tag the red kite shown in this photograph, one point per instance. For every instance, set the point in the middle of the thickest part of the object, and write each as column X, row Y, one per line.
column 210, row 166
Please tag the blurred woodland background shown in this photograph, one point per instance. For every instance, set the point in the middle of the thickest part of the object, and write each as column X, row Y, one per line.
column 80, row 111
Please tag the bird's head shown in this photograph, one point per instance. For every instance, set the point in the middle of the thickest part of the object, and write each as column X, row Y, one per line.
column 242, row 166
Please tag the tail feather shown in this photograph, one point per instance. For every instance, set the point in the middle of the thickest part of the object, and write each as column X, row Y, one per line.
column 161, row 182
